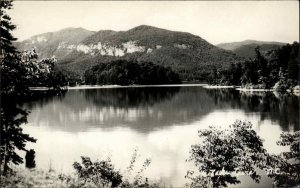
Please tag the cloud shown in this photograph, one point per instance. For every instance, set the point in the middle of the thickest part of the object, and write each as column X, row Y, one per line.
column 217, row 21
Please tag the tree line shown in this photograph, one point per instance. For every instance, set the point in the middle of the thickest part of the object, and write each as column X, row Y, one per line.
column 278, row 69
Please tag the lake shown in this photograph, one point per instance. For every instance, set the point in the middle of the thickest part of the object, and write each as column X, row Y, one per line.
column 160, row 122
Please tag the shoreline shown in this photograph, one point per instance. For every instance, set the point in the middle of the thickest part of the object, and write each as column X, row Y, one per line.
column 218, row 87
column 130, row 86
column 249, row 89
column 206, row 86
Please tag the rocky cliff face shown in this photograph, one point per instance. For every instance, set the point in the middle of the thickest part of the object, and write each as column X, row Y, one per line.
column 104, row 49
column 109, row 50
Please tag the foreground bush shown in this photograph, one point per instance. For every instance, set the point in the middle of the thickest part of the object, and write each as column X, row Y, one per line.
column 102, row 173
column 222, row 154
column 284, row 169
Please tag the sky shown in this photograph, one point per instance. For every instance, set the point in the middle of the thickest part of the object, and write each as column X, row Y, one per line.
column 215, row 21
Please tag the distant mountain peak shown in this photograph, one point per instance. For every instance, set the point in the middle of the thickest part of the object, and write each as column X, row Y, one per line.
column 72, row 28
column 106, row 30
column 141, row 27
column 235, row 45
column 147, row 28
column 246, row 48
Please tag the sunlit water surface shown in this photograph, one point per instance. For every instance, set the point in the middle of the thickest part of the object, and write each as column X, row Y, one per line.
column 160, row 122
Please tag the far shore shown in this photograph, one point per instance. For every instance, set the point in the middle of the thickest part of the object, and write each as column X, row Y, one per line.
column 217, row 86
column 249, row 89
column 130, row 86
column 204, row 85
column 117, row 86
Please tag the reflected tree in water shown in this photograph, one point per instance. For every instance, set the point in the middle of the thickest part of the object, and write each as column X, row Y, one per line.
column 130, row 97
column 279, row 107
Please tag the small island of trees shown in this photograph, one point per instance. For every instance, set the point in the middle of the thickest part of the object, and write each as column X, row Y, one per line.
column 122, row 72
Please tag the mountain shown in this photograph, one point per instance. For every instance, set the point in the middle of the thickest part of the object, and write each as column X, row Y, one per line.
column 189, row 55
column 234, row 45
column 54, row 43
column 246, row 48
column 248, row 51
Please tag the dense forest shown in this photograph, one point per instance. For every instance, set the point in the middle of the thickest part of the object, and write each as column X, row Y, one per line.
column 278, row 69
column 123, row 72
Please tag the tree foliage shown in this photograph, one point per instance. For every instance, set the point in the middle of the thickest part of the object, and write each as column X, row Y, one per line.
column 5, row 27
column 12, row 70
column 12, row 136
column 98, row 173
column 222, row 154
column 123, row 72
column 284, row 169
column 21, row 70
column 102, row 173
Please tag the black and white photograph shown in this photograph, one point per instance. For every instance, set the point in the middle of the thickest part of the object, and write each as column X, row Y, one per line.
column 149, row 94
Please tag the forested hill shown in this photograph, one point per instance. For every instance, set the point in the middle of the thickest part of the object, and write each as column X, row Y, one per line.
column 246, row 48
column 189, row 55
column 234, row 45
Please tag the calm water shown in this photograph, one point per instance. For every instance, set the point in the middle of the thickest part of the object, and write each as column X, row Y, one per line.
column 160, row 122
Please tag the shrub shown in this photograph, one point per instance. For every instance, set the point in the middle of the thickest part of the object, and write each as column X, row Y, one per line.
column 102, row 173
column 98, row 173
column 224, row 152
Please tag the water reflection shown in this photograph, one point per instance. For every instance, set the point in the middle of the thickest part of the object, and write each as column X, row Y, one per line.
column 130, row 97
column 122, row 107
column 282, row 109
column 150, row 108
